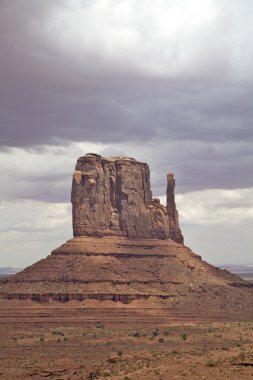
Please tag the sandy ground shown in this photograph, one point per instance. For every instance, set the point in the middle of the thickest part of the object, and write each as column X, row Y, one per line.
column 119, row 343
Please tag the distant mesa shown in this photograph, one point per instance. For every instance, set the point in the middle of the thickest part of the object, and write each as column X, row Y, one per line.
column 126, row 247
column 9, row 270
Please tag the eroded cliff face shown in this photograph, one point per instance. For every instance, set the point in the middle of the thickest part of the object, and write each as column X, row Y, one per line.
column 138, row 254
column 112, row 196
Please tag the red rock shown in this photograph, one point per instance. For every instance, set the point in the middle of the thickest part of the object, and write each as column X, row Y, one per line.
column 126, row 247
column 112, row 196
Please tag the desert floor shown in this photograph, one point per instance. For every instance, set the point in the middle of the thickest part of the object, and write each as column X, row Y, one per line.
column 116, row 343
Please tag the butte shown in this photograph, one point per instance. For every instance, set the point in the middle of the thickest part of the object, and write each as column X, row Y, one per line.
column 128, row 249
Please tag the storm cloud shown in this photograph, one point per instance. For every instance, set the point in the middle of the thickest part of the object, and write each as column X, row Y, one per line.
column 169, row 83
column 108, row 71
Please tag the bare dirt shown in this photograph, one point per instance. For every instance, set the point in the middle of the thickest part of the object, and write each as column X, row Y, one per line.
column 98, row 340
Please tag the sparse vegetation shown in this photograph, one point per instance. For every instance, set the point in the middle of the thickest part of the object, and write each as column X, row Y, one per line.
column 160, row 358
column 57, row 332
column 211, row 363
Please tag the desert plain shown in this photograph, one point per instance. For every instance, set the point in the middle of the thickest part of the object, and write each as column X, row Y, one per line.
column 98, row 340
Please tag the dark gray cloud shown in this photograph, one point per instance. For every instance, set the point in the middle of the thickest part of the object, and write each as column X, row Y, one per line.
column 169, row 83
column 46, row 174
column 197, row 165
column 57, row 86
column 151, row 110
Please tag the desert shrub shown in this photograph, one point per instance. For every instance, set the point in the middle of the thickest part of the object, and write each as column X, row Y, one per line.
column 42, row 339
column 184, row 336
column 65, row 339
column 161, row 340
column 107, row 374
column 93, row 375
column 155, row 333
column 100, row 326
column 211, row 363
column 120, row 353
column 136, row 334
column 232, row 359
column 57, row 332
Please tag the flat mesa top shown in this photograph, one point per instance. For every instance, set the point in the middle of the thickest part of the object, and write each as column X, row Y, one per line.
column 114, row 158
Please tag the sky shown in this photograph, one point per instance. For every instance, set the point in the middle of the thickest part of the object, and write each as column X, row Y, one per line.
column 167, row 82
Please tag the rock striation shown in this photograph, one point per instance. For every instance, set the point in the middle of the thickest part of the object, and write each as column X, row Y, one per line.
column 113, row 197
column 128, row 247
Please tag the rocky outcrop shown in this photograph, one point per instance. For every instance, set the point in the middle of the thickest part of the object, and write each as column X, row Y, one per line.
column 126, row 247
column 120, row 269
column 112, row 197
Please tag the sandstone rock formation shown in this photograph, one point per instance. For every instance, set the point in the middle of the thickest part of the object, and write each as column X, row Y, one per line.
column 126, row 247
column 112, row 196
column 118, row 269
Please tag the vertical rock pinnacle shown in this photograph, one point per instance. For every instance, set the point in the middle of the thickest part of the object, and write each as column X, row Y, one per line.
column 171, row 208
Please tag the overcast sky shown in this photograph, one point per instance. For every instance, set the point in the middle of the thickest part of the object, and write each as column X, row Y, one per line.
column 169, row 82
